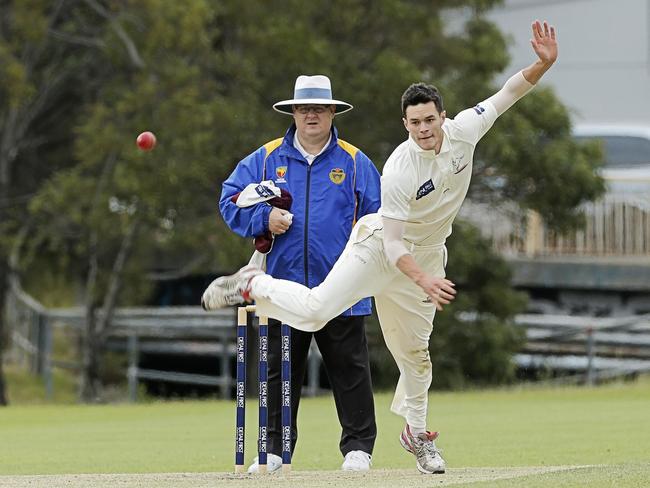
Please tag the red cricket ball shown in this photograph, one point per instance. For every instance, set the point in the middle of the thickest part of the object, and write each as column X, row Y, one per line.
column 146, row 141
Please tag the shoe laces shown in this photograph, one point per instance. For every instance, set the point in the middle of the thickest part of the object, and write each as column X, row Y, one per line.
column 430, row 448
column 229, row 284
column 425, row 447
column 232, row 290
column 423, row 444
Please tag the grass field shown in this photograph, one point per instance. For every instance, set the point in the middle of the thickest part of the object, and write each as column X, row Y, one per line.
column 605, row 431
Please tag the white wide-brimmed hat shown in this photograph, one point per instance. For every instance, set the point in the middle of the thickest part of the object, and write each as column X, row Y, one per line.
column 316, row 90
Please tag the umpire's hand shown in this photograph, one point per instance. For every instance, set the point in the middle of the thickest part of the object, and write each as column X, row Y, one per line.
column 279, row 221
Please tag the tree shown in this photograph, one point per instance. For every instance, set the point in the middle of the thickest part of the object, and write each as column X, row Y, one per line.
column 372, row 51
column 203, row 77
column 118, row 211
column 41, row 70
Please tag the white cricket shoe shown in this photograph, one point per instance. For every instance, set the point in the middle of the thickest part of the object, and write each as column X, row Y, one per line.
column 229, row 290
column 273, row 463
column 357, row 461
column 427, row 456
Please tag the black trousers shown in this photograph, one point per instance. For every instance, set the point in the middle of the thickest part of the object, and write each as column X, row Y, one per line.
column 344, row 348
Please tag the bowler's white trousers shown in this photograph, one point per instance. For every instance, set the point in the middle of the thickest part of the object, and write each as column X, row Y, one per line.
column 405, row 313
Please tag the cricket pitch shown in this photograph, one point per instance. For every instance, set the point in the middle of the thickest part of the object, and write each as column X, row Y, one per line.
column 394, row 478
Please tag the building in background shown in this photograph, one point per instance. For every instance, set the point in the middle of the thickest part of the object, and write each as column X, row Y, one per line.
column 603, row 74
column 603, row 77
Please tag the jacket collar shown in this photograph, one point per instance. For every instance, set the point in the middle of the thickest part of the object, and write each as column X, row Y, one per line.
column 287, row 148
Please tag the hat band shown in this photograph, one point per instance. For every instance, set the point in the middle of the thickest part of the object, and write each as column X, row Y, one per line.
column 306, row 93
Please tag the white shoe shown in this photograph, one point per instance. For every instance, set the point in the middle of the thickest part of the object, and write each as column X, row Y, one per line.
column 357, row 461
column 273, row 464
column 229, row 290
column 427, row 456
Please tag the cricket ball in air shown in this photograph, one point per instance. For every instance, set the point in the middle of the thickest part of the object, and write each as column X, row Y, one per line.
column 146, row 141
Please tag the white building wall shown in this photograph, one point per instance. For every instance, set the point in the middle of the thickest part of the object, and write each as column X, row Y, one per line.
column 603, row 72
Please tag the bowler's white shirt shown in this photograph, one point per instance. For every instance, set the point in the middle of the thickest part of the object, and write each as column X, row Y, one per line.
column 426, row 190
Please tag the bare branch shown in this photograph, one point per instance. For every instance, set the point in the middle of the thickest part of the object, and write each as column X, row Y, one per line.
column 78, row 40
column 14, row 256
column 131, row 49
column 8, row 150
column 97, row 7
column 130, row 45
column 8, row 202
column 110, row 299
column 32, row 53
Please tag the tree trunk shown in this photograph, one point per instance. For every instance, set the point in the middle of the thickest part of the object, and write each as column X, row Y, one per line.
column 4, row 276
column 5, row 163
column 6, row 159
column 91, row 342
column 89, row 386
column 96, row 328
column 115, row 283
column 3, row 395
column 90, row 381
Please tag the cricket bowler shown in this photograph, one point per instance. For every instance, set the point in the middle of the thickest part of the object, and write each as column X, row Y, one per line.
column 398, row 254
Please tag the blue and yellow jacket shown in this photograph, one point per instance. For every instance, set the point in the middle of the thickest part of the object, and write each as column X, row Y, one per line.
column 329, row 196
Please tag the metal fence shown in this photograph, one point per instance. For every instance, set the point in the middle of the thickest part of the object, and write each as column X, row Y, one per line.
column 30, row 335
column 171, row 331
column 590, row 348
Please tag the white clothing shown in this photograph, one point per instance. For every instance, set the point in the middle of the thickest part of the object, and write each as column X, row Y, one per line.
column 424, row 191
column 405, row 312
column 513, row 89
column 263, row 191
column 255, row 193
column 310, row 157
column 412, row 174
column 393, row 243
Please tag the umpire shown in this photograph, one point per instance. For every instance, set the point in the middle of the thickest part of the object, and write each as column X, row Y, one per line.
column 333, row 184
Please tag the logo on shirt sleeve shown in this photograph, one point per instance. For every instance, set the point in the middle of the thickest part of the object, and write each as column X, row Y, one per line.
column 425, row 189
column 478, row 109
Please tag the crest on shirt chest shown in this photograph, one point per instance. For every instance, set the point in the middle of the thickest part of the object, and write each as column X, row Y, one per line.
column 280, row 172
column 337, row 175
column 459, row 163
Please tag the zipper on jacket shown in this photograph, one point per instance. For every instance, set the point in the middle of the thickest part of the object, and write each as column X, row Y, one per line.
column 304, row 250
